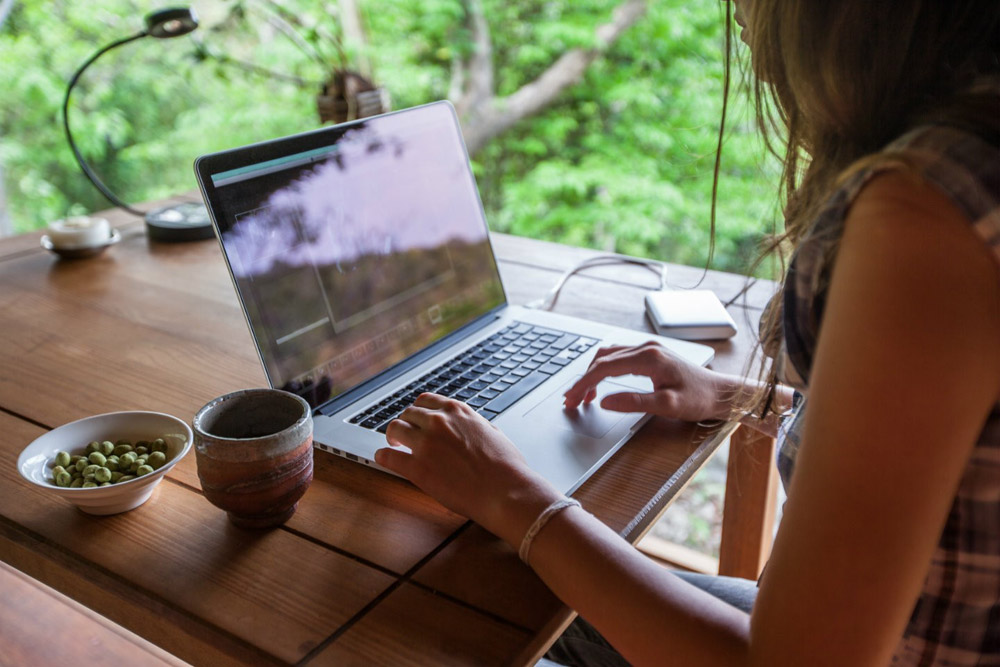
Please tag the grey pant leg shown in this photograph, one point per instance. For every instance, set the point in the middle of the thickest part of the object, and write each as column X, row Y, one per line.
column 581, row 645
column 740, row 593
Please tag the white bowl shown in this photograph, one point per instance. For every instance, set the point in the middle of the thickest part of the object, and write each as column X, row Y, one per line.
column 35, row 462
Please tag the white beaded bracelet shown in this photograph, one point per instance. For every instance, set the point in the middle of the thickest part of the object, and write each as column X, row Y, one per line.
column 540, row 522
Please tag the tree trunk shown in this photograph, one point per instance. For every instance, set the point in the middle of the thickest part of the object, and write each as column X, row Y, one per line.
column 354, row 35
column 6, row 226
column 484, row 115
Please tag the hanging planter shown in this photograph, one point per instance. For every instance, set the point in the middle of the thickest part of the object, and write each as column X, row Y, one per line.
column 348, row 95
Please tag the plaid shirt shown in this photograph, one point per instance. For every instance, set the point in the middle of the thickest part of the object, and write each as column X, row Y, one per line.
column 956, row 620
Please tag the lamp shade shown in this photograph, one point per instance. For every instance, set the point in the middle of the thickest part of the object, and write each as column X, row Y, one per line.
column 171, row 22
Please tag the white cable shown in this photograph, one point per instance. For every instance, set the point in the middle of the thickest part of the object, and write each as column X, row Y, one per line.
column 549, row 300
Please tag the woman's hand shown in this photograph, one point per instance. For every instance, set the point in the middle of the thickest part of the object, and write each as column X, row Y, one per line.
column 467, row 464
column 680, row 390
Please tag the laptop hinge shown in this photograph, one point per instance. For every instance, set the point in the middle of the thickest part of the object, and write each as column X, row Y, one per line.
column 385, row 377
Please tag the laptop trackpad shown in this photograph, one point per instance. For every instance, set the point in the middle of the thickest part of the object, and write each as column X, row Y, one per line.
column 591, row 419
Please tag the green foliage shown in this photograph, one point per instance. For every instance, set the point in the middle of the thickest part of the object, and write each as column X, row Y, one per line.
column 623, row 161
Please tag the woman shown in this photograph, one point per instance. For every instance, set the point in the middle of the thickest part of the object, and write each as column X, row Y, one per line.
column 885, row 381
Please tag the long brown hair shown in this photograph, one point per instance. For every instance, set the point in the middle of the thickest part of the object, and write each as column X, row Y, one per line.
column 836, row 80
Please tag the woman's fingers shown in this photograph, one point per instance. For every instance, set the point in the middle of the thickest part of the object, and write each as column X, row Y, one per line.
column 395, row 460
column 638, row 360
column 403, row 432
column 432, row 401
column 630, row 401
column 421, row 413
column 605, row 351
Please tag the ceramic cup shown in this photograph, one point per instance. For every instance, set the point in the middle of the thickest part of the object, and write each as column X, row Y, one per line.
column 254, row 453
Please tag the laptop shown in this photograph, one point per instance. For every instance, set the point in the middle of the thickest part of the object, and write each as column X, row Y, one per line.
column 362, row 259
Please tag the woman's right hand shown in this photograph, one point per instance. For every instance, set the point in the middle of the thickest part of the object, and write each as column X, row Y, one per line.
column 680, row 390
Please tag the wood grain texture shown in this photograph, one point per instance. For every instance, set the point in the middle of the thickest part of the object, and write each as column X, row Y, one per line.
column 269, row 589
column 42, row 627
column 749, row 511
column 414, row 627
column 369, row 569
column 558, row 257
column 374, row 516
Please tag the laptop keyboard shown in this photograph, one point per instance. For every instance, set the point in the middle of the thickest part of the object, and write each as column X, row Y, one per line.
column 490, row 376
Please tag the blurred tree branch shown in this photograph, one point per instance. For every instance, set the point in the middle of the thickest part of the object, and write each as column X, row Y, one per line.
column 483, row 114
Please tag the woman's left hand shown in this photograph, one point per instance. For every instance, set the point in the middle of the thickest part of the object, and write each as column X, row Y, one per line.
column 467, row 464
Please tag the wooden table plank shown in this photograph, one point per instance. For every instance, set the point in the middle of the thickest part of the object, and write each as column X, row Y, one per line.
column 558, row 257
column 123, row 221
column 382, row 519
column 268, row 589
column 158, row 327
column 43, row 627
column 415, row 627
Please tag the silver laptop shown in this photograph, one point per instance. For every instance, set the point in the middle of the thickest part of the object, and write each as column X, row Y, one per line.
column 362, row 258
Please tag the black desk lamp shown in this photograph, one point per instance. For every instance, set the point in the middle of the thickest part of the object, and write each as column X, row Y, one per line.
column 183, row 222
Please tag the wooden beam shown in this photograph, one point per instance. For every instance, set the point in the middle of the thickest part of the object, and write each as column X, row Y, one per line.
column 749, row 510
column 677, row 556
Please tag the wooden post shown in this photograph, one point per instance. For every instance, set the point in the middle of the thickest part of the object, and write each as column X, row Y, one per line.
column 749, row 509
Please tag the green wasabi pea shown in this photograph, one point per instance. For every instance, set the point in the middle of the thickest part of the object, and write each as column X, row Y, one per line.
column 104, row 463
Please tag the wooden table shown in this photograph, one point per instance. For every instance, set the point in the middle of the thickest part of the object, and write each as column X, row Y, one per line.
column 369, row 570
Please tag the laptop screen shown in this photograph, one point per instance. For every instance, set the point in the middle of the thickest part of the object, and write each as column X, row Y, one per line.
column 351, row 256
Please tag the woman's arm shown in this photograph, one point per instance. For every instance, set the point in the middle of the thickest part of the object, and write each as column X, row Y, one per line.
column 906, row 372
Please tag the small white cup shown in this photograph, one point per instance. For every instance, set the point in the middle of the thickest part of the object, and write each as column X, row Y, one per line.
column 79, row 231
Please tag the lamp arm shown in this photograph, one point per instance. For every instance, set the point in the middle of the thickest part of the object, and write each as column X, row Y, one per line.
column 87, row 171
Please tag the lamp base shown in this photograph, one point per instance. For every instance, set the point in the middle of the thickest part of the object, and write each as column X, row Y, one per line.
column 182, row 222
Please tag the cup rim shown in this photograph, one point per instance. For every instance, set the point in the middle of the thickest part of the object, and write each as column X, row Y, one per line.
column 200, row 415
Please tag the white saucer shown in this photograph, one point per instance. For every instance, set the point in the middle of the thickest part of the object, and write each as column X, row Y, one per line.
column 78, row 252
